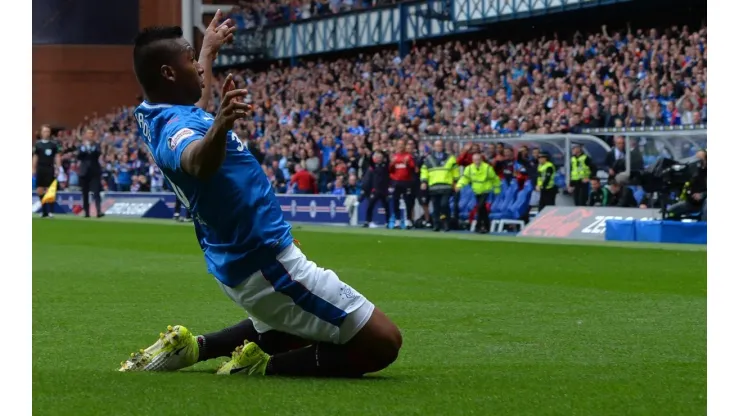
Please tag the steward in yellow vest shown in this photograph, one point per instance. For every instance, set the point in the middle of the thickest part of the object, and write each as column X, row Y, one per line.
column 546, row 181
column 483, row 179
column 480, row 176
column 439, row 172
column 581, row 168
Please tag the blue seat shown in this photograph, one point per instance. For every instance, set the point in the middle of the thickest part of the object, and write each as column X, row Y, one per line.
column 497, row 203
column 466, row 195
column 467, row 201
column 559, row 180
column 520, row 206
column 507, row 198
column 646, row 160
column 638, row 192
column 504, row 186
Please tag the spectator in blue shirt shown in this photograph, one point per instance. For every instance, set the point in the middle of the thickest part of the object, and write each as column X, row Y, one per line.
column 339, row 187
column 352, row 188
column 356, row 129
column 123, row 174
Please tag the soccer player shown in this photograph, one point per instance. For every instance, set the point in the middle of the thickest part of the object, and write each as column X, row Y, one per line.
column 303, row 320
column 46, row 161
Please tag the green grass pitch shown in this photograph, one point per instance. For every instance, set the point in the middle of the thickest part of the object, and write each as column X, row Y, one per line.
column 491, row 327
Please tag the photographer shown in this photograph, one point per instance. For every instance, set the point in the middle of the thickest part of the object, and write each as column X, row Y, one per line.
column 695, row 192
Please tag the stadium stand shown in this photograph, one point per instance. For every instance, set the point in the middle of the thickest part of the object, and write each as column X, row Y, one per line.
column 252, row 14
column 330, row 114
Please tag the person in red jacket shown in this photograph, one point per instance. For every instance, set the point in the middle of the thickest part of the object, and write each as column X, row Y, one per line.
column 466, row 157
column 402, row 170
column 306, row 183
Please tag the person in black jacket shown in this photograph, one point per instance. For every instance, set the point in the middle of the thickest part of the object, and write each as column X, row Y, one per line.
column 89, row 171
column 619, row 195
column 375, row 187
column 615, row 159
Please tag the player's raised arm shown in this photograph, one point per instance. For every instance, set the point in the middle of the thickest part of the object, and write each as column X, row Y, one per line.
column 216, row 36
column 202, row 158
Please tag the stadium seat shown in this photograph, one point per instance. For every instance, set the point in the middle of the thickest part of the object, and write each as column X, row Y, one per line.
column 560, row 181
column 506, row 198
column 649, row 160
column 518, row 208
column 638, row 192
column 466, row 202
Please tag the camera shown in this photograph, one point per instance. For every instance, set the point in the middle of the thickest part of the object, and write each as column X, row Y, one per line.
column 666, row 175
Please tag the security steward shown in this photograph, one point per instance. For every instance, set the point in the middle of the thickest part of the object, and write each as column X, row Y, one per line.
column 581, row 167
column 439, row 172
column 90, row 171
column 546, row 181
column 483, row 179
column 46, row 162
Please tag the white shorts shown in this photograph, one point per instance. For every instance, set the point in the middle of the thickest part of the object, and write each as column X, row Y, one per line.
column 296, row 296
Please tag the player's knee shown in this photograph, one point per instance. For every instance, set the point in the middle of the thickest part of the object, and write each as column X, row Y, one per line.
column 385, row 349
column 378, row 343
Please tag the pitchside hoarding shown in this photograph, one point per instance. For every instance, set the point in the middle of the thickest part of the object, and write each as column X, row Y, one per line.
column 299, row 208
column 582, row 223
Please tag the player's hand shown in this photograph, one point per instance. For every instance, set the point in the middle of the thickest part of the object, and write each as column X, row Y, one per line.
column 423, row 186
column 232, row 107
column 218, row 35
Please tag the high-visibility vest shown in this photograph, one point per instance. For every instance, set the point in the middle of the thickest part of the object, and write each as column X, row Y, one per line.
column 578, row 168
column 541, row 171
column 439, row 174
column 482, row 179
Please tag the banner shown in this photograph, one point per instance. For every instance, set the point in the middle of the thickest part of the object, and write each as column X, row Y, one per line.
column 136, row 207
column 300, row 208
column 583, row 223
column 327, row 209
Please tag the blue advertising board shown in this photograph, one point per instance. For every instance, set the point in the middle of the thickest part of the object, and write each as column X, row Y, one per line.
column 327, row 209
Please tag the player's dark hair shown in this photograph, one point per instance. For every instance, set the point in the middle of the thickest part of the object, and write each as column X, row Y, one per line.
column 153, row 47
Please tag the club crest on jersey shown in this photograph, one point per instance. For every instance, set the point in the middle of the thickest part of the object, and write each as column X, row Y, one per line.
column 181, row 135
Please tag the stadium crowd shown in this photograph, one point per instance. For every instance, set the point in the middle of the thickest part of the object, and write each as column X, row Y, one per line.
column 315, row 126
column 254, row 14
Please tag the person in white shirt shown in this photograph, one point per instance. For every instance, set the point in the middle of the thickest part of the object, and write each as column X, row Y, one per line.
column 156, row 178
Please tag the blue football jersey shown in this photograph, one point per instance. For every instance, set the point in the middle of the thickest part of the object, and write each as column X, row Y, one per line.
column 238, row 220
